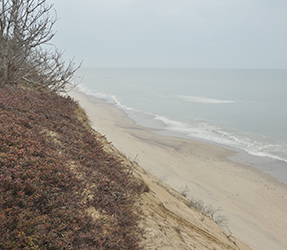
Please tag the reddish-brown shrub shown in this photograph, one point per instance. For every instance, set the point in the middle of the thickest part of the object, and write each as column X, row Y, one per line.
column 42, row 203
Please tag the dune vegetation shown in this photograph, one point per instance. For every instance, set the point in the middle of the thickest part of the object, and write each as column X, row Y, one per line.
column 59, row 188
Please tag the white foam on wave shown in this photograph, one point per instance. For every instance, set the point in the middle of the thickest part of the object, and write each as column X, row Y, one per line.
column 201, row 99
column 110, row 98
column 205, row 131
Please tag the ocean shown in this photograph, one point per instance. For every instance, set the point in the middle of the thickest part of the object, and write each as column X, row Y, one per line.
column 239, row 108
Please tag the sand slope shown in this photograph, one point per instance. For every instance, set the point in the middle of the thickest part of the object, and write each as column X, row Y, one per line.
column 170, row 224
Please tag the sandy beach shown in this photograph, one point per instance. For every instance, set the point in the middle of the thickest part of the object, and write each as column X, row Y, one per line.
column 254, row 203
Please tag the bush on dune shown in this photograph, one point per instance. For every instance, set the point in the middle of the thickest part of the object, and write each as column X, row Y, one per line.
column 52, row 171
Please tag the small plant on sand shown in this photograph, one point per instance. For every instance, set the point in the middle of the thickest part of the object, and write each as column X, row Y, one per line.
column 161, row 179
column 198, row 204
column 184, row 191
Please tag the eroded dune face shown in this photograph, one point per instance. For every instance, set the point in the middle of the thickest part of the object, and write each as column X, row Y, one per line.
column 170, row 223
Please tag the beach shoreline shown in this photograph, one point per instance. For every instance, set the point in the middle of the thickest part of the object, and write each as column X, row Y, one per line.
column 277, row 168
column 254, row 202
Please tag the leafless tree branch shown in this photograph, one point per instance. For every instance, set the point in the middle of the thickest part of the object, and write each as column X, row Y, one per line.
column 25, row 26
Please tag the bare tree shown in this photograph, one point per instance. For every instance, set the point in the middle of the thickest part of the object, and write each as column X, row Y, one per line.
column 25, row 26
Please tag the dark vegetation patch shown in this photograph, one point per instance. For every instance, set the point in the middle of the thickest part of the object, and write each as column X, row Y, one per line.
column 52, row 171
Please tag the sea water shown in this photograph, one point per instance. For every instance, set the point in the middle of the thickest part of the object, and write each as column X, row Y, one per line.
column 239, row 108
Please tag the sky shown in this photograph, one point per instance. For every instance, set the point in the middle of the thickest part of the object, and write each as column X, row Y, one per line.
column 173, row 33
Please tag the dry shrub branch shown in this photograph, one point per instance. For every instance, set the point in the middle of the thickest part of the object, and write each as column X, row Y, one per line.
column 25, row 34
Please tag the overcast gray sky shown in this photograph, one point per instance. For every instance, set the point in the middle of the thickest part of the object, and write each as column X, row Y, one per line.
column 173, row 33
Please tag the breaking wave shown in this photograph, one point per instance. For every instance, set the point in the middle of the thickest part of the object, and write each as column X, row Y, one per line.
column 202, row 99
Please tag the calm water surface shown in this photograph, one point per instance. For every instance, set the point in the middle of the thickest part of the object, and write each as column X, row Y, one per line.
column 244, row 109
